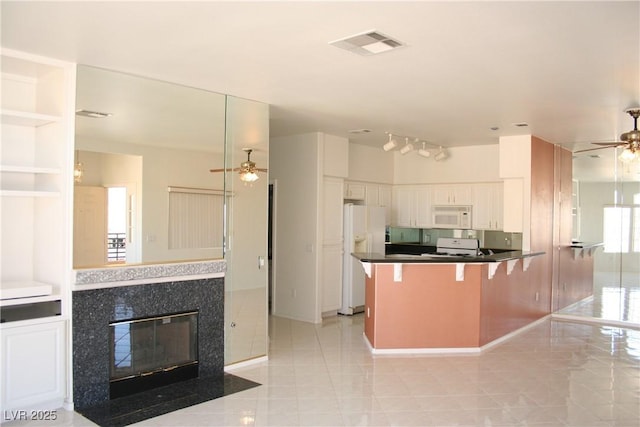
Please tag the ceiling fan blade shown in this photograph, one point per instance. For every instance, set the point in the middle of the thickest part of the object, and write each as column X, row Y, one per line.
column 224, row 170
column 609, row 144
column 262, row 169
column 593, row 149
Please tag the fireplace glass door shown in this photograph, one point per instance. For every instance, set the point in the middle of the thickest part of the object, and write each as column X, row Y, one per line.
column 153, row 345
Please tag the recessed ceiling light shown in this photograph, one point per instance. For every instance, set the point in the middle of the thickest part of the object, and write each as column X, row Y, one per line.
column 594, row 156
column 494, row 128
column 93, row 114
column 368, row 43
column 356, row 131
column 521, row 124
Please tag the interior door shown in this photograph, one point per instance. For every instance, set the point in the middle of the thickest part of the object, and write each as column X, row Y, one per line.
column 89, row 226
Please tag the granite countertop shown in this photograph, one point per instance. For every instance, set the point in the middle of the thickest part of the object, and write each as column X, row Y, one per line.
column 426, row 259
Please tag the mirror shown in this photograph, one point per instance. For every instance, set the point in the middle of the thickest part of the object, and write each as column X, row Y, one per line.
column 145, row 192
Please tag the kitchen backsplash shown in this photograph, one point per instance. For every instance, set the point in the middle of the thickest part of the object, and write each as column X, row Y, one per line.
column 429, row 236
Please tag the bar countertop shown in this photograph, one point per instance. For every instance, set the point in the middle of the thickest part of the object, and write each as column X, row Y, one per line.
column 427, row 258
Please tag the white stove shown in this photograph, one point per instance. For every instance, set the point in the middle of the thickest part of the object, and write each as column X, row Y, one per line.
column 448, row 246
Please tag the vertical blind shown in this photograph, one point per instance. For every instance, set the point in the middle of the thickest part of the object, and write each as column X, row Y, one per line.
column 195, row 218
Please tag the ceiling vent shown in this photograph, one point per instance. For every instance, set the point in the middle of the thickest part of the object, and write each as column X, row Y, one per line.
column 93, row 114
column 367, row 43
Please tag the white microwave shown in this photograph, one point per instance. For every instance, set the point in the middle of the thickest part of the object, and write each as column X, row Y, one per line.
column 451, row 217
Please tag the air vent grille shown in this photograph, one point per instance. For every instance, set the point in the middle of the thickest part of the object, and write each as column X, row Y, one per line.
column 367, row 43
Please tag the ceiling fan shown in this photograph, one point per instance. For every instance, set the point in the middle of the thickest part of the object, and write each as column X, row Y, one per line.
column 630, row 140
column 247, row 170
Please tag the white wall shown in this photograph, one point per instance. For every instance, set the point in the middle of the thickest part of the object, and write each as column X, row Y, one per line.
column 464, row 164
column 294, row 169
column 593, row 197
column 370, row 164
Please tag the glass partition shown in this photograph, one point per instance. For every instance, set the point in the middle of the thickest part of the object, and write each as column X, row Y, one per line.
column 607, row 210
column 157, row 143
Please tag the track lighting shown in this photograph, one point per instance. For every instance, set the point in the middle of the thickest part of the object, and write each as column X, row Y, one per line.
column 407, row 147
column 441, row 155
column 391, row 144
column 423, row 151
column 411, row 146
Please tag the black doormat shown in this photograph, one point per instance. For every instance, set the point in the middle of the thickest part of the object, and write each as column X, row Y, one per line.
column 162, row 400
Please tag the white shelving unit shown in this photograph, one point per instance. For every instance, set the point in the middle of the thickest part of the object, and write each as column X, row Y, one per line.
column 36, row 184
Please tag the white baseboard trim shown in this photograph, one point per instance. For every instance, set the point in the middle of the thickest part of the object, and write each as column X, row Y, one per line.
column 452, row 351
column 246, row 363
column 594, row 320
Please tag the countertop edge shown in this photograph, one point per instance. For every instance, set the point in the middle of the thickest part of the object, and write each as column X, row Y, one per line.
column 378, row 258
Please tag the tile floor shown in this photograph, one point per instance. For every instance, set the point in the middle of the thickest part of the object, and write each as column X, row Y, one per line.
column 611, row 302
column 555, row 374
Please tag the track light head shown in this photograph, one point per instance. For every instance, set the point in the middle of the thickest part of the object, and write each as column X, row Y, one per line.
column 391, row 144
column 441, row 155
column 423, row 151
column 407, row 147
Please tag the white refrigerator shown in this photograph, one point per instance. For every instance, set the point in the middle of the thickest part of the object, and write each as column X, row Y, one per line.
column 364, row 231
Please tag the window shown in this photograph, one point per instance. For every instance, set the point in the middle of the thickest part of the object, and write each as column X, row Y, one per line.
column 621, row 229
column 195, row 218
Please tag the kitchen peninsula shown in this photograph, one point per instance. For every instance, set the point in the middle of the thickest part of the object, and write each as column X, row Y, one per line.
column 426, row 303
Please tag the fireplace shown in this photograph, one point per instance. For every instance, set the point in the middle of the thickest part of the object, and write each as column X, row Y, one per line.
column 152, row 352
column 96, row 310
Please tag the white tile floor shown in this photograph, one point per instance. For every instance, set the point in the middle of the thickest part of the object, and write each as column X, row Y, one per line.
column 555, row 374
column 611, row 301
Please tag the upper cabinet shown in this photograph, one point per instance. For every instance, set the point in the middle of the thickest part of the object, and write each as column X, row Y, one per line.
column 487, row 206
column 411, row 206
column 355, row 191
column 452, row 194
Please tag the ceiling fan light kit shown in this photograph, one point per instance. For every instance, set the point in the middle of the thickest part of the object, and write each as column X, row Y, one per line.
column 247, row 170
column 629, row 140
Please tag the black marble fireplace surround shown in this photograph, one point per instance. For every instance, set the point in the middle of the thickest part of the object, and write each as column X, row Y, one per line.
column 94, row 309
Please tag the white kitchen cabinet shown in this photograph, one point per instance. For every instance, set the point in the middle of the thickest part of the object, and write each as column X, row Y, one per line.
column 451, row 194
column 331, row 278
column 411, row 206
column 402, row 213
column 487, row 206
column 513, row 208
column 372, row 194
column 332, row 244
column 33, row 365
column 423, row 216
column 355, row 191
column 385, row 200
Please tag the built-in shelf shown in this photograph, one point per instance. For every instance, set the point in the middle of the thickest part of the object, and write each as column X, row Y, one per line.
column 25, row 118
column 25, row 292
column 30, row 169
column 29, row 193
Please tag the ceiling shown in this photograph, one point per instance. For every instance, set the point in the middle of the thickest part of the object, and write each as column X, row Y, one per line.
column 568, row 69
